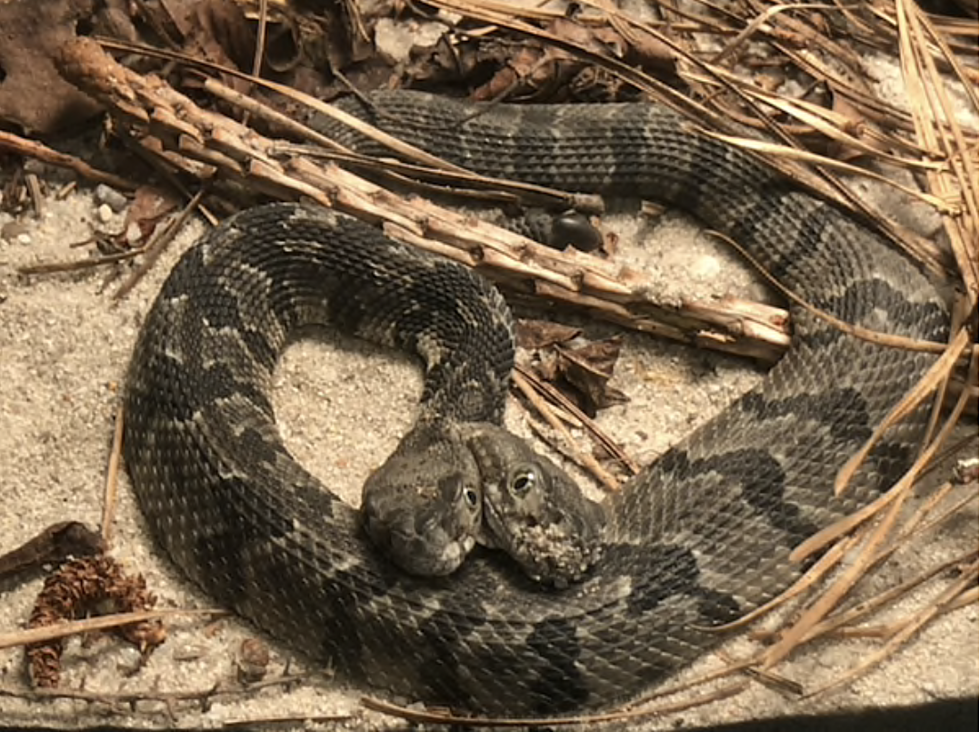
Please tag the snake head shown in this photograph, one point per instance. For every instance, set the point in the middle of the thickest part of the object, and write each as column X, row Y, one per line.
column 423, row 506
column 533, row 511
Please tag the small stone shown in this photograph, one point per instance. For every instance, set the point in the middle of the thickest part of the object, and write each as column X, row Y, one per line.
column 128, row 660
column 133, row 233
column 105, row 213
column 13, row 230
column 35, row 166
column 189, row 652
column 253, row 660
column 111, row 197
column 24, row 239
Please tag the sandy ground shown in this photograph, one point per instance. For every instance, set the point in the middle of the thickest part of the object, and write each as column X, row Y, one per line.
column 342, row 405
column 63, row 349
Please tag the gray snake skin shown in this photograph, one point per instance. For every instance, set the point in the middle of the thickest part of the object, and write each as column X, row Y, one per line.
column 699, row 538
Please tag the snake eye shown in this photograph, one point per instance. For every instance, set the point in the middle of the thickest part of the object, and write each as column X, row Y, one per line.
column 523, row 481
column 471, row 497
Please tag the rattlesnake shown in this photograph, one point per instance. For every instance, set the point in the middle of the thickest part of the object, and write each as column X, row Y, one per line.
column 699, row 538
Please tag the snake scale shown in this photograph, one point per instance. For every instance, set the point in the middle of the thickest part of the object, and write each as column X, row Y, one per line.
column 698, row 538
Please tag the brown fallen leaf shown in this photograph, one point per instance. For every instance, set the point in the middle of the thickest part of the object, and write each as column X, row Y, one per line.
column 588, row 368
column 221, row 24
column 538, row 334
column 581, row 372
column 857, row 121
column 54, row 544
column 150, row 205
column 33, row 96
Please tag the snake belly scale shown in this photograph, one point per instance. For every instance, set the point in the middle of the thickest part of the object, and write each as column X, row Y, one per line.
column 700, row 537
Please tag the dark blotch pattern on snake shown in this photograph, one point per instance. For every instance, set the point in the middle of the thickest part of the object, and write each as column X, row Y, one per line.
column 698, row 538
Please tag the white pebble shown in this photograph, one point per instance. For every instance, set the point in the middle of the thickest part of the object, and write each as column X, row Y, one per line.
column 706, row 267
column 133, row 233
column 105, row 213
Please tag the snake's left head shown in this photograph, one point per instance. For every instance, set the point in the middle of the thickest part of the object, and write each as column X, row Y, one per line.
column 534, row 511
column 423, row 506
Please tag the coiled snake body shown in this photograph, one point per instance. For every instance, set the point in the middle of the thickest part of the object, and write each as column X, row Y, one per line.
column 698, row 538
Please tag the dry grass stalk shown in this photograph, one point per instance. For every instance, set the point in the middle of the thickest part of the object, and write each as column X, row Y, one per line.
column 111, row 488
column 89, row 625
column 643, row 709
column 12, row 143
column 238, row 153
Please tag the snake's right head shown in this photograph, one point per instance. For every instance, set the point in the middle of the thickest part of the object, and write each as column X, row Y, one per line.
column 534, row 511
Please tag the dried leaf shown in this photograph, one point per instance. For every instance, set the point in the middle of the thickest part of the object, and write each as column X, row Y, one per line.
column 33, row 95
column 54, row 544
column 221, row 24
column 149, row 206
column 539, row 334
column 843, row 107
column 589, row 368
